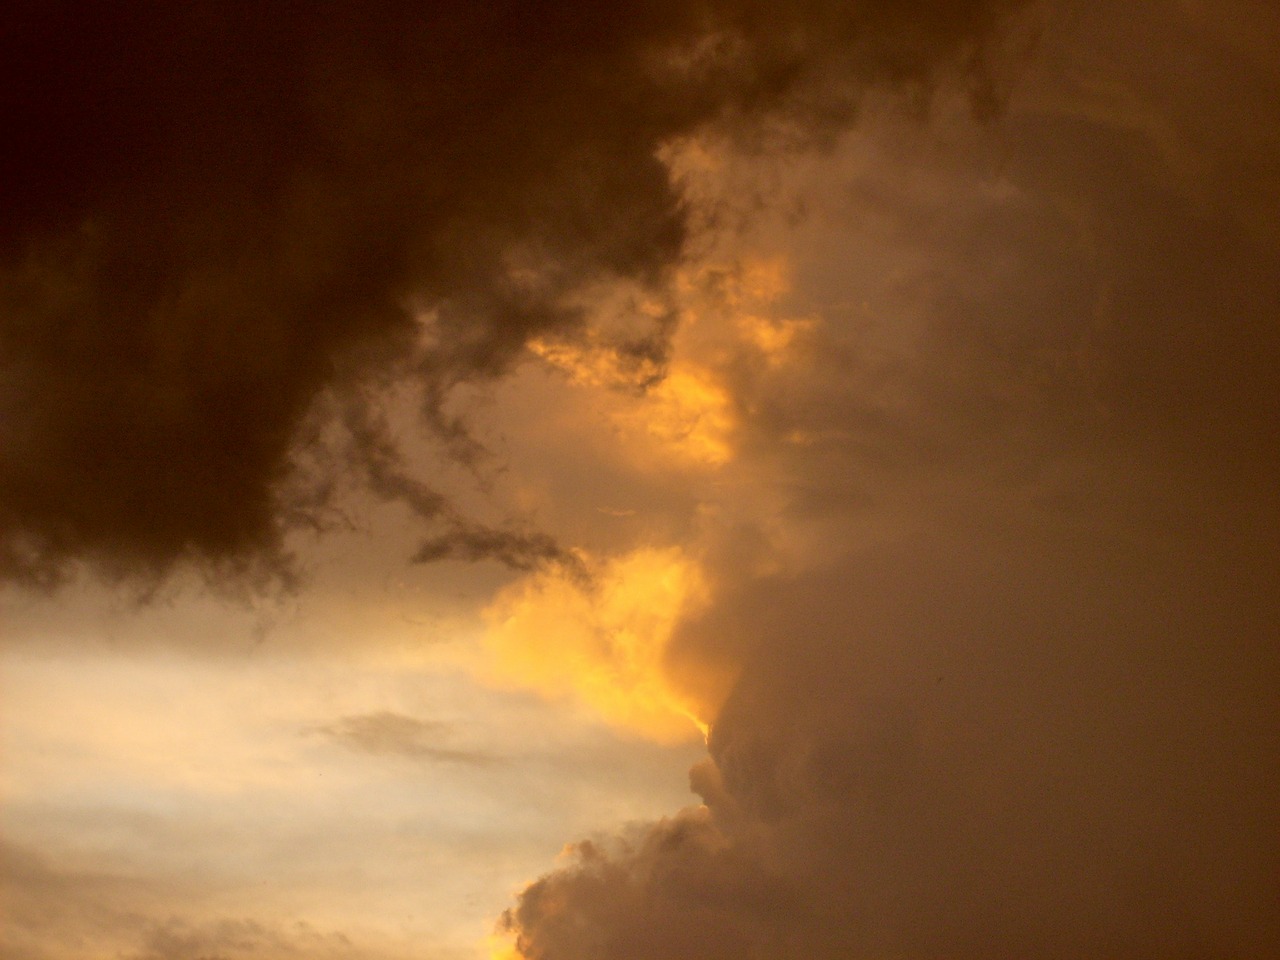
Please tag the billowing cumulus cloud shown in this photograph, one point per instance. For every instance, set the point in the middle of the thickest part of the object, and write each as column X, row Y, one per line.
column 1021, row 741
column 215, row 216
column 1007, row 688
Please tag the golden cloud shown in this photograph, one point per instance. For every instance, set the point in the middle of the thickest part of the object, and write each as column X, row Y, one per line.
column 603, row 640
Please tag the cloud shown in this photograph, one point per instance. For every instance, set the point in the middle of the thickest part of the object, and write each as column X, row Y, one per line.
column 1018, row 741
column 167, row 792
column 48, row 909
column 973, row 576
column 1006, row 682
column 394, row 734
column 519, row 551
column 214, row 220
column 604, row 641
column 54, row 912
column 228, row 938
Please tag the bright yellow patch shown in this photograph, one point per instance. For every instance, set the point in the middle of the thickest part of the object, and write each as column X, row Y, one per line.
column 502, row 946
column 685, row 415
column 603, row 640
column 688, row 414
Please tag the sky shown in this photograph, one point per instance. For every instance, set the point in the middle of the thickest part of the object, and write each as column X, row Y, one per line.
column 690, row 480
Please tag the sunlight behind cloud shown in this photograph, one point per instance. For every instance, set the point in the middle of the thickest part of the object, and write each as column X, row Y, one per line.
column 689, row 415
column 502, row 946
column 604, row 640
column 684, row 415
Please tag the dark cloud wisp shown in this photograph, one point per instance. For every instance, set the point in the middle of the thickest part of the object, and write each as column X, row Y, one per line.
column 396, row 735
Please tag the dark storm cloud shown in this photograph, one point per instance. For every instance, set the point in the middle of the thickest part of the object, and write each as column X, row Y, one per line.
column 213, row 213
column 1025, row 705
column 1022, row 741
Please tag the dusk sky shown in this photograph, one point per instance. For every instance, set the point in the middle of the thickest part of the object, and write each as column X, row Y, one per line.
column 713, row 480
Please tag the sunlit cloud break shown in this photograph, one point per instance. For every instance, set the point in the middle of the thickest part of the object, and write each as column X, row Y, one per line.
column 603, row 640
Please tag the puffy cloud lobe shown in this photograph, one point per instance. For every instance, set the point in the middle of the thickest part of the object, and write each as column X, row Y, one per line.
column 679, row 890
column 214, row 215
column 1023, row 741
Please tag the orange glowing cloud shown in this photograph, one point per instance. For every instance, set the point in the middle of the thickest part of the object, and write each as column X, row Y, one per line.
column 682, row 412
column 603, row 640
column 749, row 295
column 686, row 415
column 502, row 946
column 689, row 414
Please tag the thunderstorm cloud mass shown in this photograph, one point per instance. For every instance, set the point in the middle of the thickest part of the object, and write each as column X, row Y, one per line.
column 657, row 481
